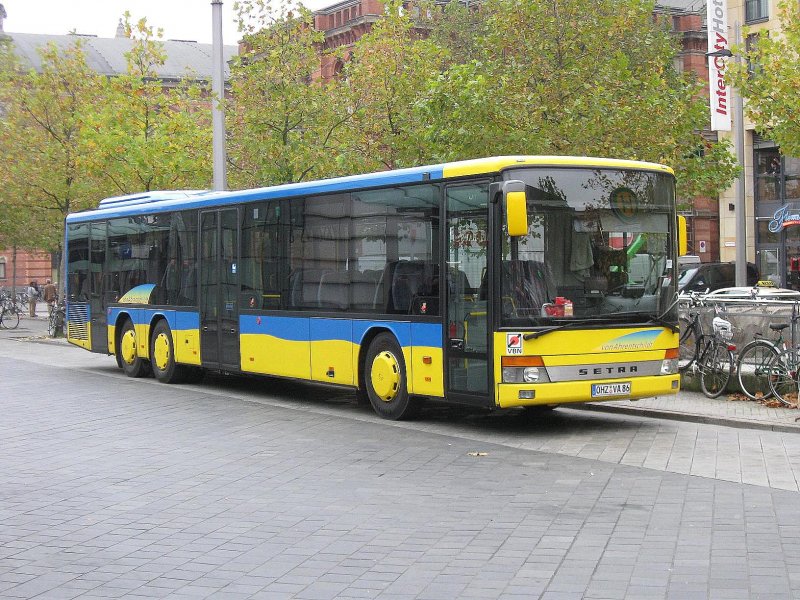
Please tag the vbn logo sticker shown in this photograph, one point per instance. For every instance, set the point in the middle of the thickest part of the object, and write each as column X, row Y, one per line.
column 513, row 343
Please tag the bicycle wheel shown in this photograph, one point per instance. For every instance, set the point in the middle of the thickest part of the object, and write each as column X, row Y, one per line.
column 687, row 350
column 10, row 319
column 716, row 369
column 753, row 369
column 783, row 376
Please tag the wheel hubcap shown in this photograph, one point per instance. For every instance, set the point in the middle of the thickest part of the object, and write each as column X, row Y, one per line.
column 161, row 351
column 128, row 346
column 385, row 376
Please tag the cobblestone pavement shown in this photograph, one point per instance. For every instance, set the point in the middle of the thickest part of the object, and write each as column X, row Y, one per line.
column 250, row 488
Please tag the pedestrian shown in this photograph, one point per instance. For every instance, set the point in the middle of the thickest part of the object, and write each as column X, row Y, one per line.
column 33, row 297
column 49, row 296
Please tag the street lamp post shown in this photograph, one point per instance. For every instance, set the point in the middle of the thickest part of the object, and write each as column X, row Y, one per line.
column 739, row 199
column 218, row 96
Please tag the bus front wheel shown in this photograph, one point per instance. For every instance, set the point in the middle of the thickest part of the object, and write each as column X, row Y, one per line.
column 385, row 378
column 162, row 356
column 127, row 355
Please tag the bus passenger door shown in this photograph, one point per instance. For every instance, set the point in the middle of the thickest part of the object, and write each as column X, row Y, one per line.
column 97, row 297
column 467, row 317
column 219, row 287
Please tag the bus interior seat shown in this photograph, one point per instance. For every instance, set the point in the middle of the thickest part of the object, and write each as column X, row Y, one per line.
column 305, row 285
column 364, row 289
column 409, row 279
column 333, row 290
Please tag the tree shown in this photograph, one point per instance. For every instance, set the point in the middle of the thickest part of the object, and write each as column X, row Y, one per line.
column 44, row 177
column 576, row 77
column 770, row 88
column 390, row 72
column 282, row 119
column 147, row 135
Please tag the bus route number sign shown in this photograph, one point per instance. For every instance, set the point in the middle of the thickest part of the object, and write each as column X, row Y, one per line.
column 513, row 343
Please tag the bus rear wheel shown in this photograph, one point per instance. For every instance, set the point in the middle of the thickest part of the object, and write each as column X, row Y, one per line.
column 127, row 355
column 162, row 356
column 385, row 378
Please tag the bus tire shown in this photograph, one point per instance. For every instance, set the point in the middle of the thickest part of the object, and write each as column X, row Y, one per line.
column 386, row 381
column 128, row 357
column 162, row 356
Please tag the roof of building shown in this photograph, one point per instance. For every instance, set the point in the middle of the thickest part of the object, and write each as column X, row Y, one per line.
column 683, row 5
column 106, row 56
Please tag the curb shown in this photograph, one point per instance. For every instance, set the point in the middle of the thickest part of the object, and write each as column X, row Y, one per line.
column 691, row 418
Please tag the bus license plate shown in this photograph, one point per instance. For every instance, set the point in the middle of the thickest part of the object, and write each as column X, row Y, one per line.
column 600, row 390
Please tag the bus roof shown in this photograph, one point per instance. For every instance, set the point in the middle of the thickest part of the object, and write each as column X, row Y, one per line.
column 163, row 201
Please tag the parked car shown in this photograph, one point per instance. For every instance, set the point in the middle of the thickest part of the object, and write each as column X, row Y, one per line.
column 712, row 276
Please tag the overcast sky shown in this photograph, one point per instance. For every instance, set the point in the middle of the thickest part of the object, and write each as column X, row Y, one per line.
column 180, row 19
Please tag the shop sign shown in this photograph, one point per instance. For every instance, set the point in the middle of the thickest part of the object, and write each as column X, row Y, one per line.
column 719, row 92
column 786, row 216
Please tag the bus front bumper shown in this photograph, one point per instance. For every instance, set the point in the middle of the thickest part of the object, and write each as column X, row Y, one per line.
column 518, row 394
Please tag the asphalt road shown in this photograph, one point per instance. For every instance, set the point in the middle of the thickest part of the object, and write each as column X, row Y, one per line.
column 252, row 488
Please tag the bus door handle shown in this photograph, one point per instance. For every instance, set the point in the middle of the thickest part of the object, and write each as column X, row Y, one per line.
column 233, row 330
column 205, row 327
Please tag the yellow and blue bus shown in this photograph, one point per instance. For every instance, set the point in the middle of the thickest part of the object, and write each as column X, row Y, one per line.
column 515, row 281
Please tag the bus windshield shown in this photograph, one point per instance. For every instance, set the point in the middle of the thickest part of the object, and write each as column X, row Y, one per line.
column 599, row 245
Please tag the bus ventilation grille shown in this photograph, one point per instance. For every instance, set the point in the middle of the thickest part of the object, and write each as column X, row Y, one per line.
column 77, row 321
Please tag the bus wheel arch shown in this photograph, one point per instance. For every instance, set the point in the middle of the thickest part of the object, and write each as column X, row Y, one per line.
column 362, row 397
column 162, row 353
column 386, row 379
column 127, row 356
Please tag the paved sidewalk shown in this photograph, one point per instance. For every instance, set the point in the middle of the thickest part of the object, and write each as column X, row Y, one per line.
column 730, row 411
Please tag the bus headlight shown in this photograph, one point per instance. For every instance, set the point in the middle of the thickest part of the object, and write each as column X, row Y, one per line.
column 530, row 374
column 669, row 366
column 524, row 375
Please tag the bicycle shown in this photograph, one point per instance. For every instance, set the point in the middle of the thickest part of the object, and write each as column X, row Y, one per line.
column 713, row 356
column 9, row 312
column 56, row 319
column 691, row 332
column 754, row 363
column 784, row 370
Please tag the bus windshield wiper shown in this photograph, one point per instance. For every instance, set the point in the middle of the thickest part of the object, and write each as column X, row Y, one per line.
column 573, row 323
column 661, row 320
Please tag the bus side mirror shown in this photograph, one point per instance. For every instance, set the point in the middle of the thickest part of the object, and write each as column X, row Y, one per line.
column 515, row 208
column 683, row 246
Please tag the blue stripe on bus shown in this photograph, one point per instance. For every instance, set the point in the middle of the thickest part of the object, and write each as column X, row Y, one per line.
column 178, row 320
column 293, row 190
column 295, row 329
column 298, row 329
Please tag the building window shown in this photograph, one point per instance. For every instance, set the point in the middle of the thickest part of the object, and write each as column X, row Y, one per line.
column 756, row 10
column 768, row 176
column 2, row 268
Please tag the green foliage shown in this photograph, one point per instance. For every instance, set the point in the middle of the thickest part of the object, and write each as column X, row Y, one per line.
column 391, row 70
column 772, row 91
column 573, row 77
column 282, row 118
column 45, row 176
column 145, row 135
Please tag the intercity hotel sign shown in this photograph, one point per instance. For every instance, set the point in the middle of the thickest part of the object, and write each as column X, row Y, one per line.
column 786, row 216
column 718, row 92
